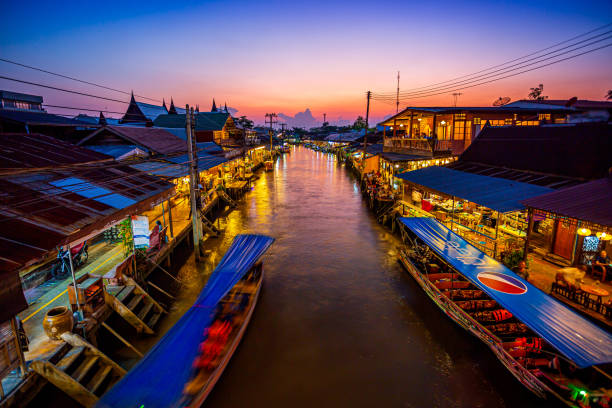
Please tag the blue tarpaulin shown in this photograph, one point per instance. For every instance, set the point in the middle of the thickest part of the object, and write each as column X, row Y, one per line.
column 158, row 380
column 575, row 337
column 89, row 190
column 492, row 192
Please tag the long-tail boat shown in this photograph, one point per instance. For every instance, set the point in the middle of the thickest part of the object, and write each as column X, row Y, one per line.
column 549, row 348
column 182, row 369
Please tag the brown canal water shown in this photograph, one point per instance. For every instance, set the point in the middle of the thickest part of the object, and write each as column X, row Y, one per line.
column 339, row 322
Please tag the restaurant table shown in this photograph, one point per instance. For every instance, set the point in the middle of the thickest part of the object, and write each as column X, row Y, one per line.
column 595, row 291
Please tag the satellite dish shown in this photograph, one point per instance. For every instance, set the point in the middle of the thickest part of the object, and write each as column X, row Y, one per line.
column 501, row 101
column 571, row 101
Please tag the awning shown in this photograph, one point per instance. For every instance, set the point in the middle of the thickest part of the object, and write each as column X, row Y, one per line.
column 159, row 378
column 496, row 193
column 575, row 337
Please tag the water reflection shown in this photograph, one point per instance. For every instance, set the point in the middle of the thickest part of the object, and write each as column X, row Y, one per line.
column 339, row 323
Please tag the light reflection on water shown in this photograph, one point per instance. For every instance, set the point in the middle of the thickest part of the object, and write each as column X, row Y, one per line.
column 339, row 323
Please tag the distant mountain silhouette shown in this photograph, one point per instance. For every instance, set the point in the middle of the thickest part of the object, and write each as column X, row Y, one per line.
column 300, row 119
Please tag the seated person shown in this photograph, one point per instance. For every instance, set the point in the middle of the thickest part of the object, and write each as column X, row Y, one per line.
column 521, row 270
column 602, row 264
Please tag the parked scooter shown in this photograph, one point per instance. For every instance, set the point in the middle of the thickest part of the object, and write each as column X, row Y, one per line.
column 79, row 254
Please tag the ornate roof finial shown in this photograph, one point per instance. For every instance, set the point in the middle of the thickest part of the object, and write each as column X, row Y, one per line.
column 172, row 110
column 226, row 108
column 102, row 120
column 164, row 104
column 214, row 107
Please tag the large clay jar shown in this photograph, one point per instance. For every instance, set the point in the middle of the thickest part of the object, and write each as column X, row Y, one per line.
column 57, row 321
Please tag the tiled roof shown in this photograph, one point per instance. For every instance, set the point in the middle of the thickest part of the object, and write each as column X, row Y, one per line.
column 210, row 121
column 151, row 111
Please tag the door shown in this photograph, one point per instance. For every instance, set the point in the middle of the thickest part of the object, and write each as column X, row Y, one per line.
column 564, row 240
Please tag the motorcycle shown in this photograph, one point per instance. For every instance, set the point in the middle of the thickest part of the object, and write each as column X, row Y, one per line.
column 79, row 254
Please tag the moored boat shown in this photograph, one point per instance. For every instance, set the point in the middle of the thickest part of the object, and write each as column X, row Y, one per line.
column 269, row 165
column 182, row 369
column 549, row 348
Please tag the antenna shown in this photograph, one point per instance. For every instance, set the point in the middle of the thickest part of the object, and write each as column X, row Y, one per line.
column 501, row 101
column 324, row 118
column 456, row 95
column 397, row 95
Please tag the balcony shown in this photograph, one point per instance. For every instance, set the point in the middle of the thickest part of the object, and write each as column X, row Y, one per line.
column 422, row 146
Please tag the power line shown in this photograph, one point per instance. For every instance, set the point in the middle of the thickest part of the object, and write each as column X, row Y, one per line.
column 507, row 62
column 74, row 79
column 61, row 89
column 517, row 66
column 514, row 74
column 81, row 109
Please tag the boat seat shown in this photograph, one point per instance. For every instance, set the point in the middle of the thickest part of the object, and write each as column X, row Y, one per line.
column 452, row 285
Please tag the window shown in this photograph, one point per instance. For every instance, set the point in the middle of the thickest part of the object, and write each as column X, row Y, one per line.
column 497, row 122
column 508, row 121
column 459, row 116
column 527, row 122
column 544, row 116
column 477, row 121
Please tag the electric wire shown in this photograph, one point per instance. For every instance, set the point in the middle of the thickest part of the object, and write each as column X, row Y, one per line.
column 506, row 70
column 507, row 76
column 505, row 63
column 73, row 79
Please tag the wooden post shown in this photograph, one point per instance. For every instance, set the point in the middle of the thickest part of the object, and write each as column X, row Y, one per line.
column 453, row 214
column 528, row 235
column 74, row 282
column 18, row 350
column 411, row 129
column 365, row 137
column 394, row 128
column 193, row 184
column 170, row 219
column 163, row 215
column 499, row 216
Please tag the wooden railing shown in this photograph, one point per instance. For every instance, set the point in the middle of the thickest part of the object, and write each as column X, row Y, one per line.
column 404, row 144
column 583, row 299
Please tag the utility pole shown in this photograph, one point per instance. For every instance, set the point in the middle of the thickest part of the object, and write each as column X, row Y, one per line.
column 397, row 94
column 271, row 131
column 193, row 182
column 365, row 136
column 283, row 125
column 455, row 96
column 324, row 118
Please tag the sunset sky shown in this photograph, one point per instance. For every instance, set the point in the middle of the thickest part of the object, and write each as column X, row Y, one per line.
column 288, row 56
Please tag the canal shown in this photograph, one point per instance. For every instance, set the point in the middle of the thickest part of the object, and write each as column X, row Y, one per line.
column 339, row 322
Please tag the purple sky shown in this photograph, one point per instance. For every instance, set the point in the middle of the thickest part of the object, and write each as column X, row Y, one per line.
column 288, row 56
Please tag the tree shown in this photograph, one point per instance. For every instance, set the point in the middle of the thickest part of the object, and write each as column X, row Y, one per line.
column 536, row 93
column 609, row 95
column 245, row 123
column 359, row 123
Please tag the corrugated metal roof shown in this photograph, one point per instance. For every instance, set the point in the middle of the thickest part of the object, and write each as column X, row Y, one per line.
column 117, row 151
column 590, row 202
column 39, row 118
column 44, row 209
column 491, row 192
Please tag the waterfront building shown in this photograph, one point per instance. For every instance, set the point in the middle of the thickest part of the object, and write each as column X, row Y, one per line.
column 218, row 127
column 20, row 101
column 411, row 131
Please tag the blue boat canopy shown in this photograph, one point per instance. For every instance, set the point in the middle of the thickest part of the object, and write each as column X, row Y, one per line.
column 575, row 337
column 492, row 192
column 159, row 378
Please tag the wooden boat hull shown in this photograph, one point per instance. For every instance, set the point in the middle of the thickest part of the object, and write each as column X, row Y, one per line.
column 216, row 374
column 468, row 323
